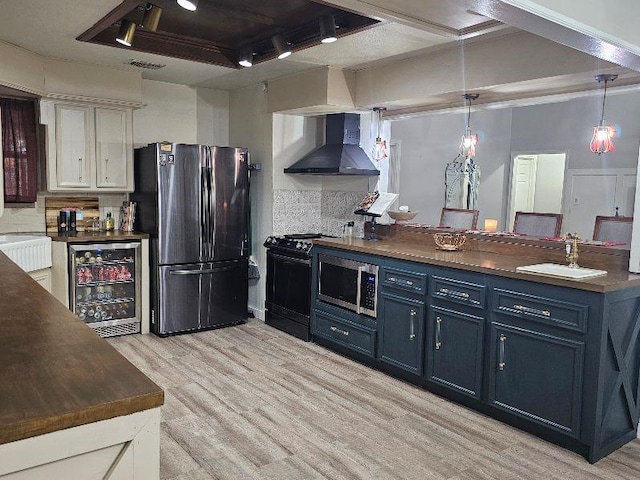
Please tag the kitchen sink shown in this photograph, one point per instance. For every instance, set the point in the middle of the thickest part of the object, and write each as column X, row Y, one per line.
column 564, row 271
column 29, row 252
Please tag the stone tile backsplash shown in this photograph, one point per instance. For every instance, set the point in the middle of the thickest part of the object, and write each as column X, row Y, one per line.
column 313, row 211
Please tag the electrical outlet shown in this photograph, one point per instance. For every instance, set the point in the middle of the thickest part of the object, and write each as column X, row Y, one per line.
column 576, row 201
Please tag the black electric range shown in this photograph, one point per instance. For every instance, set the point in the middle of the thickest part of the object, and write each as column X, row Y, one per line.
column 288, row 299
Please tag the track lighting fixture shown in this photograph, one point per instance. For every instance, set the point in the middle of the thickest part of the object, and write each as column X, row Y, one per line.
column 602, row 142
column 246, row 57
column 328, row 29
column 281, row 46
column 469, row 140
column 126, row 32
column 151, row 17
column 188, row 4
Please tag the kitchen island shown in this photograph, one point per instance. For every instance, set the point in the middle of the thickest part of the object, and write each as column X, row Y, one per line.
column 70, row 405
column 552, row 356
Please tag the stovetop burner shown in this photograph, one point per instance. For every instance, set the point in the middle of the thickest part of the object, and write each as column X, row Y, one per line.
column 303, row 236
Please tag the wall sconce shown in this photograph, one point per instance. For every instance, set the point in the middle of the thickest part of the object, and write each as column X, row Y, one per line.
column 602, row 142
column 380, row 147
column 246, row 57
column 190, row 5
column 490, row 225
column 328, row 29
column 469, row 140
column 281, row 46
column 151, row 17
column 126, row 32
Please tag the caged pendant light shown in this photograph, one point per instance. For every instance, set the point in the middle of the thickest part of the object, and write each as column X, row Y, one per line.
column 380, row 147
column 469, row 140
column 602, row 140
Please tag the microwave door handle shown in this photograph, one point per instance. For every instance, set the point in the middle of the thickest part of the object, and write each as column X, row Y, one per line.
column 359, row 290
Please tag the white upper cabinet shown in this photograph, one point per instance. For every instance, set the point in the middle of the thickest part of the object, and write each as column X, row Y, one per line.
column 113, row 149
column 88, row 148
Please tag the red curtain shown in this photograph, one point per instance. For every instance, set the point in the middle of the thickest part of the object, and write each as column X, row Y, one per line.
column 19, row 150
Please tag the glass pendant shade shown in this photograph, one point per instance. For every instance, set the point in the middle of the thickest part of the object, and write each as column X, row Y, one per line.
column 380, row 147
column 603, row 135
column 468, row 144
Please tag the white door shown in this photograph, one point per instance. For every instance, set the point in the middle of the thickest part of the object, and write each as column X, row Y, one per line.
column 113, row 150
column 523, row 186
column 74, row 146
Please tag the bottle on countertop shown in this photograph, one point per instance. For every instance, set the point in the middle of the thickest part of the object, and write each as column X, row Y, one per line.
column 109, row 222
column 347, row 230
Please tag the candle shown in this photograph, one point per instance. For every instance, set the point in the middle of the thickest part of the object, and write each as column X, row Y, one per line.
column 490, row 225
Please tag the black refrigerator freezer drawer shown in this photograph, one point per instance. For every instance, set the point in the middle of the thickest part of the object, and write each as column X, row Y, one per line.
column 201, row 296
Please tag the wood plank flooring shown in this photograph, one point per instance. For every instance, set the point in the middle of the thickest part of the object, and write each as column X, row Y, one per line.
column 251, row 402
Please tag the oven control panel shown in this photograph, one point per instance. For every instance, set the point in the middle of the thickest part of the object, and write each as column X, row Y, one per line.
column 289, row 244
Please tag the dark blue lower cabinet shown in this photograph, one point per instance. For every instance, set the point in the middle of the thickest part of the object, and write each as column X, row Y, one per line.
column 401, row 332
column 455, row 350
column 537, row 376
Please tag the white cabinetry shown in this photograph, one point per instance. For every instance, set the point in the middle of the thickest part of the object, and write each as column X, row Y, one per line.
column 43, row 277
column 89, row 148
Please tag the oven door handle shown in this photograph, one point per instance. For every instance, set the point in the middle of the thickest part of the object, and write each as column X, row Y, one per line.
column 290, row 259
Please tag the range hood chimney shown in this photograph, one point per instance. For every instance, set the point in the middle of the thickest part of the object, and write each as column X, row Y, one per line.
column 341, row 155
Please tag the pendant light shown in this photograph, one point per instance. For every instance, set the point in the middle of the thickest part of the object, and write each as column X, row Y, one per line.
column 380, row 147
column 190, row 5
column 602, row 142
column 126, row 33
column 469, row 140
column 328, row 29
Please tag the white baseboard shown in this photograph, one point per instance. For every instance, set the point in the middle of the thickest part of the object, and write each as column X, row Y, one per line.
column 257, row 312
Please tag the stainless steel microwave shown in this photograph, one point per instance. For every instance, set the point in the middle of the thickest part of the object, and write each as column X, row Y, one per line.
column 348, row 284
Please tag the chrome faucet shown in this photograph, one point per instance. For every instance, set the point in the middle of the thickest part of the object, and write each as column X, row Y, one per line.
column 571, row 248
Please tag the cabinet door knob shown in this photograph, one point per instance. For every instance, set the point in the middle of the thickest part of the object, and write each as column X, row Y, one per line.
column 438, row 333
column 501, row 362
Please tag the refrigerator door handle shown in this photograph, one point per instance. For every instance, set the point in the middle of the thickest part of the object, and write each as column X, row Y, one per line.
column 203, row 217
column 210, row 204
column 200, row 272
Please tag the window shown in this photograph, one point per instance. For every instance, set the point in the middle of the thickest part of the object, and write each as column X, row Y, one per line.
column 19, row 150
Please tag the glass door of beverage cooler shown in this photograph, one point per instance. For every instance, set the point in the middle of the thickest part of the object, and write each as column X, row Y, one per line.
column 105, row 286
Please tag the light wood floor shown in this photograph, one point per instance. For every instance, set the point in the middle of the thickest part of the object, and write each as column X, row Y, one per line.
column 250, row 402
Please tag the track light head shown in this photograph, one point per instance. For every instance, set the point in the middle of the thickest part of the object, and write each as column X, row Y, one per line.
column 328, row 29
column 281, row 46
column 190, row 5
column 151, row 17
column 246, row 57
column 126, row 33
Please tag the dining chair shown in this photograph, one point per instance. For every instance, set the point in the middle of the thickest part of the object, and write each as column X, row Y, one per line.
column 613, row 229
column 459, row 218
column 536, row 224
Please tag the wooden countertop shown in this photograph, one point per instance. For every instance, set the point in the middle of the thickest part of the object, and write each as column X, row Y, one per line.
column 55, row 372
column 87, row 237
column 478, row 261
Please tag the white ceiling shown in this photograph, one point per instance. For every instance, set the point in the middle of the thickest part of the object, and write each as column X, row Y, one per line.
column 49, row 28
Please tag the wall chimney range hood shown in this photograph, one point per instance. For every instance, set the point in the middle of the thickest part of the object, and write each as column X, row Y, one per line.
column 341, row 155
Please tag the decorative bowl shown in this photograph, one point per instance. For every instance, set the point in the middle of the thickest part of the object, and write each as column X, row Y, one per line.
column 449, row 241
column 402, row 217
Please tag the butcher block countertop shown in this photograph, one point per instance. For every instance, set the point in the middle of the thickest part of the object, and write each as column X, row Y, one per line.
column 472, row 259
column 87, row 237
column 55, row 372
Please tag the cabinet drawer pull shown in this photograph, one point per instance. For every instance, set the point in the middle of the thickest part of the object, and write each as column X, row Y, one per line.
column 106, row 170
column 343, row 332
column 532, row 311
column 406, row 282
column 438, row 327
column 80, row 169
column 453, row 293
column 501, row 362
column 412, row 326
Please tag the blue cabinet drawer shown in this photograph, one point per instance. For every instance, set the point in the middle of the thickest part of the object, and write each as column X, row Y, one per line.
column 550, row 311
column 344, row 332
column 405, row 280
column 458, row 291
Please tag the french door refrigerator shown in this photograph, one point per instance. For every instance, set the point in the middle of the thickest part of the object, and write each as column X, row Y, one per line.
column 193, row 201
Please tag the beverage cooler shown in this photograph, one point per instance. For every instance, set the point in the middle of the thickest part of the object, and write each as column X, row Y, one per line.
column 105, row 286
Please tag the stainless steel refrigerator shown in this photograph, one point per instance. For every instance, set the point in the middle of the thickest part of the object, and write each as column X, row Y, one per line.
column 193, row 201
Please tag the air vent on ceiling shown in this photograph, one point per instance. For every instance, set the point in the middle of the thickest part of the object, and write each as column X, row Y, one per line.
column 147, row 65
